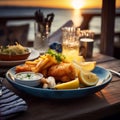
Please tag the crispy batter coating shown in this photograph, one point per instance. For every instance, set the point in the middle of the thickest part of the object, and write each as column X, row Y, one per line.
column 63, row 72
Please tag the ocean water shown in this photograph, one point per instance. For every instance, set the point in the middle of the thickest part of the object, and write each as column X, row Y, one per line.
column 61, row 17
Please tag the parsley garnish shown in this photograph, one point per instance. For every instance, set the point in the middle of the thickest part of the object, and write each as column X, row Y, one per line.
column 28, row 75
column 58, row 56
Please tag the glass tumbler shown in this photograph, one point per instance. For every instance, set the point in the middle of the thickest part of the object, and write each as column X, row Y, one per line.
column 86, row 43
column 41, row 38
column 70, row 42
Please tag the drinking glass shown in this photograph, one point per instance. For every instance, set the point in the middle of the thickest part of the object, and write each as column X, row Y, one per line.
column 70, row 42
column 41, row 37
column 86, row 43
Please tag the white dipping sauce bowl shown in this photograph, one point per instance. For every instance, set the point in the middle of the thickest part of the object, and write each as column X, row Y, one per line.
column 28, row 78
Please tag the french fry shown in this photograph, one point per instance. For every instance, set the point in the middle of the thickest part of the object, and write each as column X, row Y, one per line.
column 31, row 63
column 52, row 59
column 38, row 59
column 33, row 68
column 23, row 68
column 36, row 68
column 41, row 65
column 43, row 56
column 50, row 63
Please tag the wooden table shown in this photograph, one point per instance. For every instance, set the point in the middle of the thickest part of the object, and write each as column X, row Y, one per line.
column 97, row 106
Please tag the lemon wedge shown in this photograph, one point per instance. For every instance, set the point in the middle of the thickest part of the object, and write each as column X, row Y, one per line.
column 79, row 59
column 68, row 85
column 88, row 78
column 76, row 58
column 86, row 66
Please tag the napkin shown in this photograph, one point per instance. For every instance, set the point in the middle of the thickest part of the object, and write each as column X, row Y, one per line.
column 10, row 104
column 57, row 35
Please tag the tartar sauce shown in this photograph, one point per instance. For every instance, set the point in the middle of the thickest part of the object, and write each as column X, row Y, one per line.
column 28, row 76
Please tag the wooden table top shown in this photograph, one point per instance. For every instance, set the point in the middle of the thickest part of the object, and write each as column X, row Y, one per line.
column 96, row 106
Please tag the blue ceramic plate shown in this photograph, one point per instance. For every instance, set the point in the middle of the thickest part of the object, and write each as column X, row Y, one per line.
column 104, row 78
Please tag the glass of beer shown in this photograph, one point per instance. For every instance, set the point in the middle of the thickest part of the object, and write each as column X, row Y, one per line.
column 70, row 42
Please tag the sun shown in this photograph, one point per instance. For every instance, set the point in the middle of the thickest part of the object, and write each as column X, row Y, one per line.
column 77, row 4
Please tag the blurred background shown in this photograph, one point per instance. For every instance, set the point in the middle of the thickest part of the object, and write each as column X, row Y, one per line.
column 84, row 13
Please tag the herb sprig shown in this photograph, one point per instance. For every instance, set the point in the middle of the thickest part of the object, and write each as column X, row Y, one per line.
column 58, row 56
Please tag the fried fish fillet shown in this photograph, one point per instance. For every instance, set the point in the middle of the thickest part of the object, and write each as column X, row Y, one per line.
column 63, row 72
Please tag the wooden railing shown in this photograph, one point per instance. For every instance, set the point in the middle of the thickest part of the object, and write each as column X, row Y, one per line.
column 87, row 17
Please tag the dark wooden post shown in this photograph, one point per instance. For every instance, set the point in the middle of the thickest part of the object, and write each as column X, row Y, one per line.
column 107, row 27
column 86, row 20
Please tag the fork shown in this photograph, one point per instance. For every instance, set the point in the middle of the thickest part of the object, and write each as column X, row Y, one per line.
column 1, row 80
column 114, row 72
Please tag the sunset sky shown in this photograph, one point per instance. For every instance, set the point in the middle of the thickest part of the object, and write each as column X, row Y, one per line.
column 56, row 3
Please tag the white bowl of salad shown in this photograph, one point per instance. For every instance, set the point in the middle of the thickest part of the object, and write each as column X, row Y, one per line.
column 28, row 78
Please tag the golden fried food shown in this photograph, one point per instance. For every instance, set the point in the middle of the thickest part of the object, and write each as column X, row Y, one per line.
column 22, row 68
column 40, row 64
column 63, row 72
